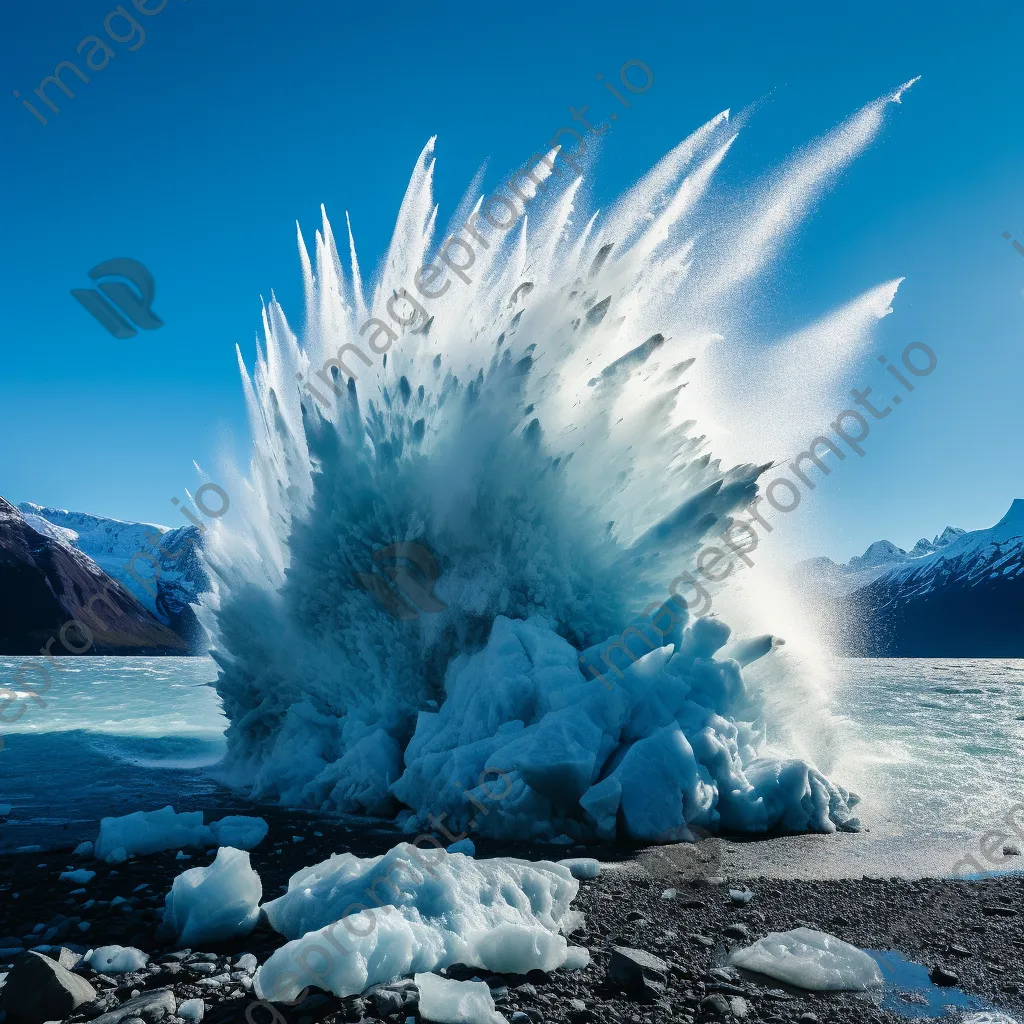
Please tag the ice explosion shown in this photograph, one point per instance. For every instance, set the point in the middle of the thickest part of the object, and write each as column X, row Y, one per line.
column 535, row 434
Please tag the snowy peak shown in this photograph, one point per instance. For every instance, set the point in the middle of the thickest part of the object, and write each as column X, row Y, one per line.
column 45, row 583
column 157, row 565
column 961, row 595
column 882, row 552
column 1014, row 515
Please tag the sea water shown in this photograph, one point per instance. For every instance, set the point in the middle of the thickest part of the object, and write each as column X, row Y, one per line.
column 939, row 742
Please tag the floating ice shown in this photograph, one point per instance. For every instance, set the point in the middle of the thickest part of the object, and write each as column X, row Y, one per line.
column 531, row 425
column 116, row 959
column 215, row 903
column 811, row 960
column 433, row 909
column 456, row 1002
column 144, row 832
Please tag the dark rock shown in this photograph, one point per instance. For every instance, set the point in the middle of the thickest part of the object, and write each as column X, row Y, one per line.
column 990, row 910
column 150, row 1006
column 737, row 931
column 44, row 584
column 940, row 976
column 638, row 973
column 353, row 1009
column 717, row 1005
column 387, row 1001
column 39, row 989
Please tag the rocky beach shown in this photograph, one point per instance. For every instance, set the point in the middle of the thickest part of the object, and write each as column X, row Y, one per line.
column 659, row 931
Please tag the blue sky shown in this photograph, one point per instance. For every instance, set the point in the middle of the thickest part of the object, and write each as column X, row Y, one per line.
column 197, row 152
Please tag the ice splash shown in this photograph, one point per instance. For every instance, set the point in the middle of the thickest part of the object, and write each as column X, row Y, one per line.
column 538, row 435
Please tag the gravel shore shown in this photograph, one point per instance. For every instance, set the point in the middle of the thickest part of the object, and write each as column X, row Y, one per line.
column 967, row 933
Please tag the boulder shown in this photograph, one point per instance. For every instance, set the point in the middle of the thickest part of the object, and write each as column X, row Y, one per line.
column 40, row 989
column 638, row 973
column 150, row 1006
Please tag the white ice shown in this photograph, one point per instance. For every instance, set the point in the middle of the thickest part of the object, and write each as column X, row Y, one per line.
column 456, row 1002
column 549, row 426
column 144, row 832
column 116, row 959
column 215, row 903
column 191, row 1010
column 432, row 909
column 582, row 867
column 811, row 960
column 80, row 875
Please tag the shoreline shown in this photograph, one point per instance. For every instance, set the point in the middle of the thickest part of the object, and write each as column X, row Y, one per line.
column 969, row 929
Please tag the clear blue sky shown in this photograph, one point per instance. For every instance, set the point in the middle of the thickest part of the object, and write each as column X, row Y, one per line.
column 196, row 153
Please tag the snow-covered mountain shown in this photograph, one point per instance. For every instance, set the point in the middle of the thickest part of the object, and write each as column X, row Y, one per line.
column 963, row 598
column 45, row 582
column 879, row 558
column 133, row 554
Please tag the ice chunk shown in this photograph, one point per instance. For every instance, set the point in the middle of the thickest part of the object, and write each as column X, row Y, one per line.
column 505, row 915
column 144, row 832
column 80, row 876
column 465, row 846
column 150, row 832
column 456, row 1002
column 989, row 1017
column 83, row 850
column 811, row 960
column 116, row 959
column 239, row 831
column 582, row 867
column 215, row 903
column 191, row 1010
column 576, row 958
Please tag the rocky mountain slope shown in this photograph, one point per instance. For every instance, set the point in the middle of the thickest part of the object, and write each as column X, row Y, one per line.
column 45, row 582
column 963, row 598
column 157, row 565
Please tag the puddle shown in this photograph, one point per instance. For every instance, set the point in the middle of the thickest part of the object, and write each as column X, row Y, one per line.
column 911, row 993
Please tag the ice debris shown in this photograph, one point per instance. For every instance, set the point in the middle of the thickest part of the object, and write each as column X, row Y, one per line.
column 456, row 1002
column 152, row 831
column 215, row 903
column 432, row 909
column 810, row 960
column 116, row 959
column 582, row 867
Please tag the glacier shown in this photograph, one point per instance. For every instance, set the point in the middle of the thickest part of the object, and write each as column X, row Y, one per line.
column 531, row 424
